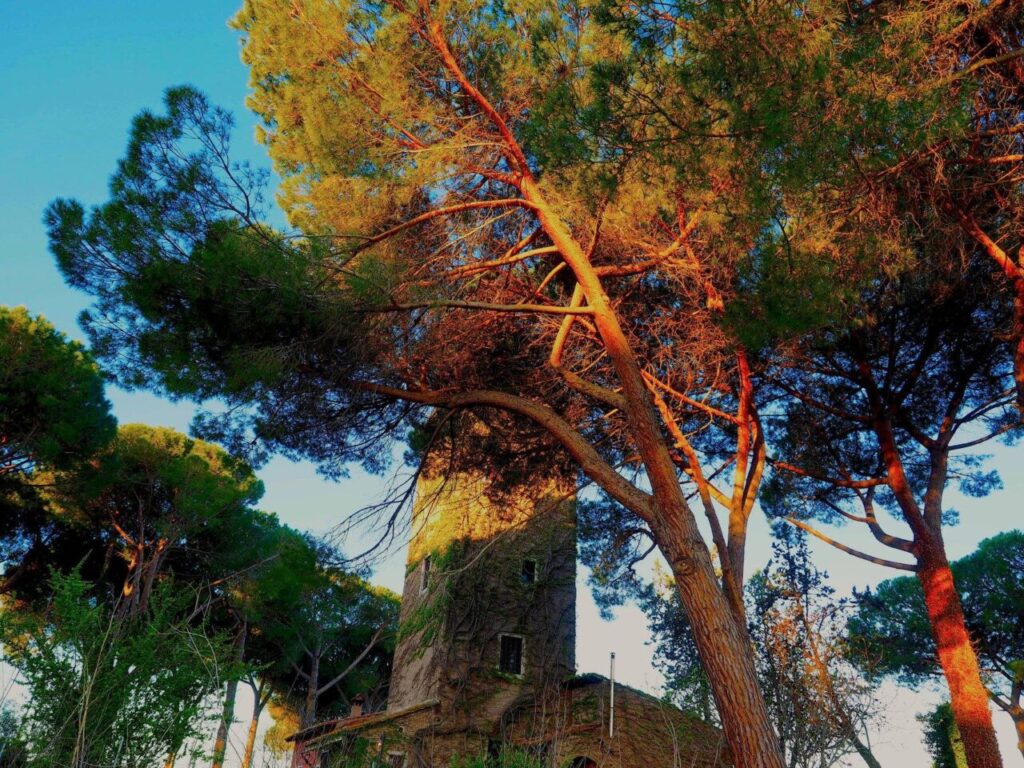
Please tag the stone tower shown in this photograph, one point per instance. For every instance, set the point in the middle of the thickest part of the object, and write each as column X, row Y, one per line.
column 486, row 649
column 489, row 607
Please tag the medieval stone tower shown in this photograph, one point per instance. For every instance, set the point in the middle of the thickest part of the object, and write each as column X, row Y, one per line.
column 485, row 657
column 487, row 636
column 489, row 606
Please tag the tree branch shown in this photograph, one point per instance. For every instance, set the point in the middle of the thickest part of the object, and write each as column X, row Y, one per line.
column 544, row 309
column 591, row 462
column 513, row 202
column 850, row 550
column 355, row 662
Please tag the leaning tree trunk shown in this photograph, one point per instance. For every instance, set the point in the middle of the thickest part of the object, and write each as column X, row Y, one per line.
column 967, row 695
column 725, row 651
column 722, row 640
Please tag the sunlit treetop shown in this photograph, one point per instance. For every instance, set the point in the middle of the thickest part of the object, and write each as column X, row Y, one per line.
column 53, row 411
column 159, row 478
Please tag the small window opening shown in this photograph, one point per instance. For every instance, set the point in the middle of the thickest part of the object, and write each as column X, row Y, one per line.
column 493, row 749
column 425, row 575
column 511, row 659
column 529, row 571
column 396, row 759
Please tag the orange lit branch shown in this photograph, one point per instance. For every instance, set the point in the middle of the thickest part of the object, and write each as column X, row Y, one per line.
column 870, row 482
column 512, row 258
column 699, row 405
column 592, row 463
column 437, row 213
column 543, row 309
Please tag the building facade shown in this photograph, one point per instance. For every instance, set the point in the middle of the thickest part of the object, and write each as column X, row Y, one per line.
column 486, row 653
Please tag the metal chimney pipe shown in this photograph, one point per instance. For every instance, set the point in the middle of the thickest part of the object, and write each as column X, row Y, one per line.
column 611, row 708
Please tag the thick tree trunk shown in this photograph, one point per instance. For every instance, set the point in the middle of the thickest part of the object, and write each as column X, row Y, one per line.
column 967, row 694
column 220, row 745
column 724, row 647
column 309, row 711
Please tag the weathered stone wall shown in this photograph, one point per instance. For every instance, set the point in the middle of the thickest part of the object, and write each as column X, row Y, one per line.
column 562, row 727
column 649, row 733
column 477, row 542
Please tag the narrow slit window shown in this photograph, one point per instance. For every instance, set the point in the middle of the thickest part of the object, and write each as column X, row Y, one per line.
column 529, row 571
column 396, row 760
column 425, row 575
column 511, row 660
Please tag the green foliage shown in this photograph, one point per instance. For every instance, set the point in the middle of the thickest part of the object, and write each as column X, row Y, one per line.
column 52, row 409
column 185, row 483
column 13, row 748
column 53, row 416
column 919, row 347
column 162, row 502
column 108, row 691
column 310, row 622
column 941, row 737
column 430, row 613
column 216, row 303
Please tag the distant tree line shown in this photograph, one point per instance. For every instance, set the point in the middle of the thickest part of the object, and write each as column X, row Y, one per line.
column 141, row 583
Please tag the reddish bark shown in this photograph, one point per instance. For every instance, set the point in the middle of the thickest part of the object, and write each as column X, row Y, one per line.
column 968, row 697
column 250, row 740
column 724, row 646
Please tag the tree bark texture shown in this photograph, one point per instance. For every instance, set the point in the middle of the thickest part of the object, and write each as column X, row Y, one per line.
column 250, row 737
column 1017, row 713
column 968, row 697
column 724, row 647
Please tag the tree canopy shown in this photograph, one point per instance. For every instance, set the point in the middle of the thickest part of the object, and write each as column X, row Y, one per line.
column 53, row 416
column 52, row 408
column 596, row 217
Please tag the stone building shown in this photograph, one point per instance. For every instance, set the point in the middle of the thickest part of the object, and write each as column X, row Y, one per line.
column 486, row 655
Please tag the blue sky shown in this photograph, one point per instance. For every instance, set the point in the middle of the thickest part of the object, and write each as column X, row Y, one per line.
column 74, row 74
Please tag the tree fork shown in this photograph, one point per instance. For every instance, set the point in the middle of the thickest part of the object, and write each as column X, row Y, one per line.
column 721, row 639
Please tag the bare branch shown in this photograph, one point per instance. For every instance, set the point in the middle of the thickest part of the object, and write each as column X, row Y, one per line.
column 850, row 550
